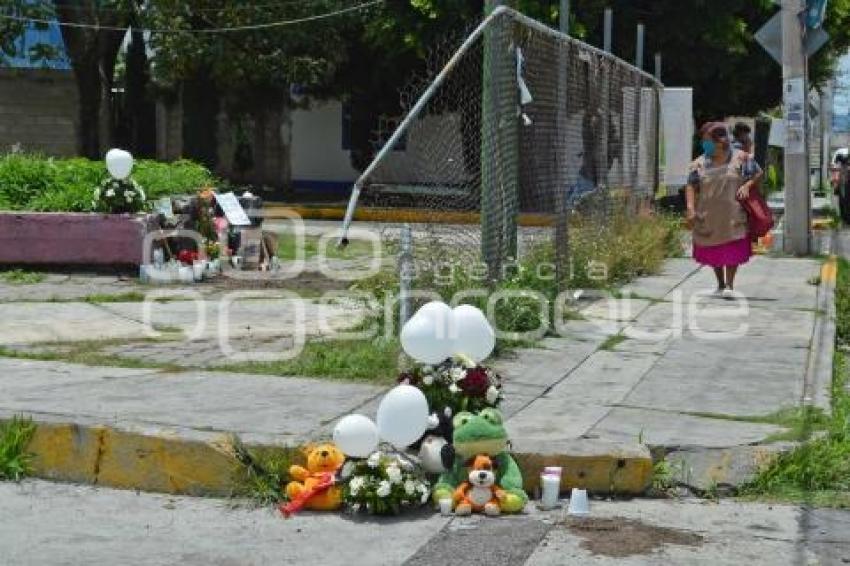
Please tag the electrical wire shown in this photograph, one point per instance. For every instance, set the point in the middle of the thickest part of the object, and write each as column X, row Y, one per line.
column 248, row 6
column 252, row 27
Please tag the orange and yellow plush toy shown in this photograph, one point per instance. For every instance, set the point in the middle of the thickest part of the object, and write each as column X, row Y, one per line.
column 314, row 486
column 479, row 493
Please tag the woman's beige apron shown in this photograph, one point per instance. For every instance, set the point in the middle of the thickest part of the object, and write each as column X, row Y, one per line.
column 720, row 219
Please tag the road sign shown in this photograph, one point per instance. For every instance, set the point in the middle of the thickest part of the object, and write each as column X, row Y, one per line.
column 769, row 36
column 815, row 13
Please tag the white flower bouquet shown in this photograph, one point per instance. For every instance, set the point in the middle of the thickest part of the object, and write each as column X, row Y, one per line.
column 118, row 196
column 458, row 384
column 383, row 484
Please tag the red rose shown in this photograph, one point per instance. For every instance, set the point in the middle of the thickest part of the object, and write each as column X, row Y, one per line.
column 475, row 383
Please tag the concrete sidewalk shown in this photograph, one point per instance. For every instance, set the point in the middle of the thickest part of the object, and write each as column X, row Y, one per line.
column 689, row 371
column 70, row 525
column 663, row 367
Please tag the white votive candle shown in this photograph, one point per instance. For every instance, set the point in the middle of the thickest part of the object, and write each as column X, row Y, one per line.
column 551, row 488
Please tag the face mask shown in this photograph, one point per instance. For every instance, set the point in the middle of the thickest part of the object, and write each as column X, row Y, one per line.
column 708, row 147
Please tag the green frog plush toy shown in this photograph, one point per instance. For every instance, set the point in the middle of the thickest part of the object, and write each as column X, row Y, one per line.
column 483, row 433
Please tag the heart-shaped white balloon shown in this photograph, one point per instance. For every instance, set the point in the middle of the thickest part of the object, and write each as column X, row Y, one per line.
column 420, row 341
column 474, row 337
column 437, row 332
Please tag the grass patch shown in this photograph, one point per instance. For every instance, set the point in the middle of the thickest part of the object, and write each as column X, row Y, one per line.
column 128, row 297
column 15, row 436
column 820, row 468
column 800, row 422
column 362, row 360
column 626, row 246
column 612, row 342
column 263, row 471
column 842, row 302
column 89, row 353
column 21, row 277
column 287, row 248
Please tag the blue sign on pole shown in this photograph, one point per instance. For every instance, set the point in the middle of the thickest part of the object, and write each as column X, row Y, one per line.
column 815, row 13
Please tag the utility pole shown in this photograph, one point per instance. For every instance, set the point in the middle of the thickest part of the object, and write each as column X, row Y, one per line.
column 794, row 89
column 825, row 114
column 564, row 17
column 608, row 28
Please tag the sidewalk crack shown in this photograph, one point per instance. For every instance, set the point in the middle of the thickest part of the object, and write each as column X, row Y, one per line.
column 101, row 448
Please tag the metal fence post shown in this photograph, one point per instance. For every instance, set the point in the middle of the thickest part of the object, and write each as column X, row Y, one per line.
column 499, row 147
column 562, row 228
column 405, row 274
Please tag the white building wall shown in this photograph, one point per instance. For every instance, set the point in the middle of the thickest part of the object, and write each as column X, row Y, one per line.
column 318, row 159
column 677, row 118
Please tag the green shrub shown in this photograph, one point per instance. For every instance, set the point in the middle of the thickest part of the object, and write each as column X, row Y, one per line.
column 163, row 179
column 35, row 182
column 628, row 246
column 71, row 188
column 23, row 177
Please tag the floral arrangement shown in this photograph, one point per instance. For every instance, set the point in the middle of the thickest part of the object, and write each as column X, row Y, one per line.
column 204, row 211
column 459, row 384
column 383, row 484
column 118, row 196
column 213, row 249
column 188, row 257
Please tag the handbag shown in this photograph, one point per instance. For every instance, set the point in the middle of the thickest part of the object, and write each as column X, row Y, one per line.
column 759, row 216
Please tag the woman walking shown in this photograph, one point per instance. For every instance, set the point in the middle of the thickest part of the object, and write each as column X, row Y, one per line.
column 718, row 179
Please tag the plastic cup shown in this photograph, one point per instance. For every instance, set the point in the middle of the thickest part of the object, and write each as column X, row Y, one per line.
column 579, row 506
column 445, row 506
column 198, row 269
column 551, row 489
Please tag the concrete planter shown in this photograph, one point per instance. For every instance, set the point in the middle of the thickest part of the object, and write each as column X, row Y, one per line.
column 73, row 239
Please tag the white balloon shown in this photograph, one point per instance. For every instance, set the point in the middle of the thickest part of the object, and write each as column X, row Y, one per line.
column 119, row 163
column 403, row 416
column 356, row 436
column 423, row 342
column 441, row 314
column 474, row 336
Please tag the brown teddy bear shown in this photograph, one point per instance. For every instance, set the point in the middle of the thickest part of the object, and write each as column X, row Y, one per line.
column 314, row 487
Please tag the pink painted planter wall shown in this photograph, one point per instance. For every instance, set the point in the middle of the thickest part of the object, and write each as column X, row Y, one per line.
column 48, row 238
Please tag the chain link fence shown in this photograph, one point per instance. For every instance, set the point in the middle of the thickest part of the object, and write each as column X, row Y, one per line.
column 514, row 138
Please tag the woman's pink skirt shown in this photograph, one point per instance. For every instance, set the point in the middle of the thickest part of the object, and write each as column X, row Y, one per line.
column 735, row 252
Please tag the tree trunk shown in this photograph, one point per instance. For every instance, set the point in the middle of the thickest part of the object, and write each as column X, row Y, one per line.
column 88, row 89
column 92, row 54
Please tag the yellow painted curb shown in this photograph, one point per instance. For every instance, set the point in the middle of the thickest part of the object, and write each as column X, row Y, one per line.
column 109, row 457
column 611, row 472
column 170, row 464
column 829, row 270
column 394, row 215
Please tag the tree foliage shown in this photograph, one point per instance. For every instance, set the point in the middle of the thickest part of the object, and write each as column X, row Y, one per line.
column 247, row 67
column 366, row 56
column 706, row 44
